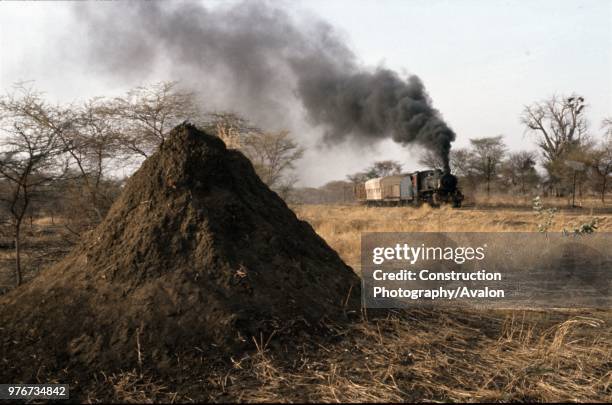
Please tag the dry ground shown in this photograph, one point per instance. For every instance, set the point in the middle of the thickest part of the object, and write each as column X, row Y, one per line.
column 45, row 241
column 417, row 355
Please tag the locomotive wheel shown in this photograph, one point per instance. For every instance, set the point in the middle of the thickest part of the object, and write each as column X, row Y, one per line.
column 457, row 199
column 434, row 200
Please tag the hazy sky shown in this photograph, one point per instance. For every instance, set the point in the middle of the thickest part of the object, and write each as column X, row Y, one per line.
column 481, row 62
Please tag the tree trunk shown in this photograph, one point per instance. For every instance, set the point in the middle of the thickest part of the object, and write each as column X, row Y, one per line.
column 94, row 203
column 488, row 176
column 18, row 254
column 574, row 191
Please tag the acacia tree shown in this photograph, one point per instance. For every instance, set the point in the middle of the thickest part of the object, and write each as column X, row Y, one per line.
column 519, row 169
column 93, row 144
column 606, row 125
column 431, row 160
column 460, row 161
column 148, row 113
column 29, row 157
column 358, row 177
column 377, row 169
column 273, row 155
column 600, row 159
column 230, row 127
column 486, row 158
column 384, row 168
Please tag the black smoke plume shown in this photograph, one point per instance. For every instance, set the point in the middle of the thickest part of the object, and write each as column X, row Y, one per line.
column 261, row 57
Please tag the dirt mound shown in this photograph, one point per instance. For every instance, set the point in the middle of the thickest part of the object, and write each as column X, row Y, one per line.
column 197, row 252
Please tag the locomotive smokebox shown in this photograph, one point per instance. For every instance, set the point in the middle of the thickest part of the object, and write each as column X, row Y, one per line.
column 448, row 182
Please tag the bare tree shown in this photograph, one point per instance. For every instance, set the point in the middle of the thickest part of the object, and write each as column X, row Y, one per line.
column 460, row 161
column 93, row 143
column 384, row 168
column 431, row 160
column 88, row 133
column 559, row 123
column 487, row 156
column 600, row 159
column 337, row 192
column 230, row 127
column 150, row 112
column 358, row 177
column 381, row 168
column 606, row 125
column 28, row 159
column 519, row 170
column 273, row 155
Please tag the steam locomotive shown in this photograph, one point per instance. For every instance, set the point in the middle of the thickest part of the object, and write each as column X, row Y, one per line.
column 434, row 187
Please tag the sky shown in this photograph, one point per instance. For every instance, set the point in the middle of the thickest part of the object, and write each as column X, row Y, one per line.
column 481, row 61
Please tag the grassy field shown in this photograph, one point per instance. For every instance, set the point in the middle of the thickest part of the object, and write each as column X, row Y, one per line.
column 416, row 355
column 341, row 226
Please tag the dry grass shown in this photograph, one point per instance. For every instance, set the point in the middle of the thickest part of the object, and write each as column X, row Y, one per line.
column 426, row 355
column 341, row 225
column 130, row 387
column 502, row 200
column 48, row 220
column 43, row 243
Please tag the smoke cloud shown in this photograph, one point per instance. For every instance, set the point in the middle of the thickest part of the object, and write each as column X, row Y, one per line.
column 260, row 59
